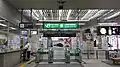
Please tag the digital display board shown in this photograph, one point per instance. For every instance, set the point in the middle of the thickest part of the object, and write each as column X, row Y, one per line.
column 34, row 32
column 60, row 25
column 24, row 32
column 59, row 34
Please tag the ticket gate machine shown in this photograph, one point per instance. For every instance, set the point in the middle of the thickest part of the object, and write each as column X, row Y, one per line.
column 39, row 55
column 67, row 54
column 50, row 55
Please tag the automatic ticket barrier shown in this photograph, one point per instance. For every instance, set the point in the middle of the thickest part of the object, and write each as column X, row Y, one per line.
column 39, row 55
column 50, row 55
column 67, row 54
column 78, row 56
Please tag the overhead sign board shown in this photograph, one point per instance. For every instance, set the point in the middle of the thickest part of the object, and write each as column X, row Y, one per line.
column 26, row 25
column 60, row 25
column 59, row 34
column 108, row 30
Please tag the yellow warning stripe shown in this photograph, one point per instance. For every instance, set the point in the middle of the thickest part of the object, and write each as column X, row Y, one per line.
column 22, row 65
column 25, row 63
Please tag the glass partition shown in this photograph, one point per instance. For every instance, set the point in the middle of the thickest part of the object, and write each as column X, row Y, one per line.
column 3, row 25
column 10, row 38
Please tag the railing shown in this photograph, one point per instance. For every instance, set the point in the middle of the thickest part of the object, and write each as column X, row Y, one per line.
column 100, row 54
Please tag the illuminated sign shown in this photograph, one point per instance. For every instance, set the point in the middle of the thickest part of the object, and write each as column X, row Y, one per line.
column 25, row 25
column 61, row 25
column 108, row 30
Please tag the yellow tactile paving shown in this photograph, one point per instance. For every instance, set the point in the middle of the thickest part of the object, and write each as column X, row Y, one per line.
column 22, row 65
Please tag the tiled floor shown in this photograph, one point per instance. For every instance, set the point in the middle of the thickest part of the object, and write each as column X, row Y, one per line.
column 96, row 63
column 89, row 63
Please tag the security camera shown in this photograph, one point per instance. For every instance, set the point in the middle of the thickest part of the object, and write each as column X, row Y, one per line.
column 61, row 7
column 61, row 1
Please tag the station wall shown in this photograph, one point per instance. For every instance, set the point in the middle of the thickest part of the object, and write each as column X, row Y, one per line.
column 9, row 13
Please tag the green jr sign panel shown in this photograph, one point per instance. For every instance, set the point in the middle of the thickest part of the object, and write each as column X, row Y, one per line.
column 61, row 25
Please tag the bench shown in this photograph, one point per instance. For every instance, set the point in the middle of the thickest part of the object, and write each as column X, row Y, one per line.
column 116, row 60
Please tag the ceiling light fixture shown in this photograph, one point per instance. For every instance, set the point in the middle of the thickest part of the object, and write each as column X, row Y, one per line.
column 112, row 16
column 3, row 25
column 99, row 13
column 88, row 14
column 51, row 14
column 106, row 14
column 13, row 28
column 69, row 14
column 60, row 12
column 60, row 20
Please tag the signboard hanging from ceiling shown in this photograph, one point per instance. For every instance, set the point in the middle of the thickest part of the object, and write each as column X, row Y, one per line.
column 60, row 25
column 108, row 30
column 61, row 34
column 25, row 25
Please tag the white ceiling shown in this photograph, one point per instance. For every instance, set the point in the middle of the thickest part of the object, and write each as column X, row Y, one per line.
column 72, row 15
column 80, row 10
column 74, row 4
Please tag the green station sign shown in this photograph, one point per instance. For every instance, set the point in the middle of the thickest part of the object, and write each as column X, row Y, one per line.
column 60, row 25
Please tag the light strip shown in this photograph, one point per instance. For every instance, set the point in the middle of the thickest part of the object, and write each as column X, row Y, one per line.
column 35, row 15
column 107, row 24
column 60, row 20
column 34, row 11
column 51, row 14
column 86, row 14
column 69, row 14
column 60, row 12
column 89, row 14
column 112, row 16
column 3, row 25
column 78, row 17
column 106, row 13
column 42, row 23
column 13, row 28
column 98, row 14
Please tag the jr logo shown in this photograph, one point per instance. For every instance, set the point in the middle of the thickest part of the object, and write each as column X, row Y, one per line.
column 47, row 25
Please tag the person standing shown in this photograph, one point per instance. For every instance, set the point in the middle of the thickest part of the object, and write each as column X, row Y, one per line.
column 28, row 49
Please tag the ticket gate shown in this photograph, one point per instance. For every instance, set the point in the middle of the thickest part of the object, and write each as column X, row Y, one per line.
column 50, row 55
column 39, row 55
column 78, row 56
column 67, row 54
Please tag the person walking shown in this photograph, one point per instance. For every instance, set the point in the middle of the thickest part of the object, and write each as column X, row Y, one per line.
column 28, row 50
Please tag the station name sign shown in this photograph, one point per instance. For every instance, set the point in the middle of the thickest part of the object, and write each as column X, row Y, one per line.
column 60, row 25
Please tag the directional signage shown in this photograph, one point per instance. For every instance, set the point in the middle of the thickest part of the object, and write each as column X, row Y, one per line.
column 59, row 34
column 60, row 25
column 108, row 30
column 26, row 25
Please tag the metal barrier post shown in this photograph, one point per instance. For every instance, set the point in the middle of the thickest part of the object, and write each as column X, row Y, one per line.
column 88, row 54
column 50, row 55
column 106, row 54
column 96, row 54
column 39, row 55
column 67, row 55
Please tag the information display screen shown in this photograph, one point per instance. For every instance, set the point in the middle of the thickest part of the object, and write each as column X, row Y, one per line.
column 24, row 32
column 34, row 32
column 61, row 34
column 60, row 25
